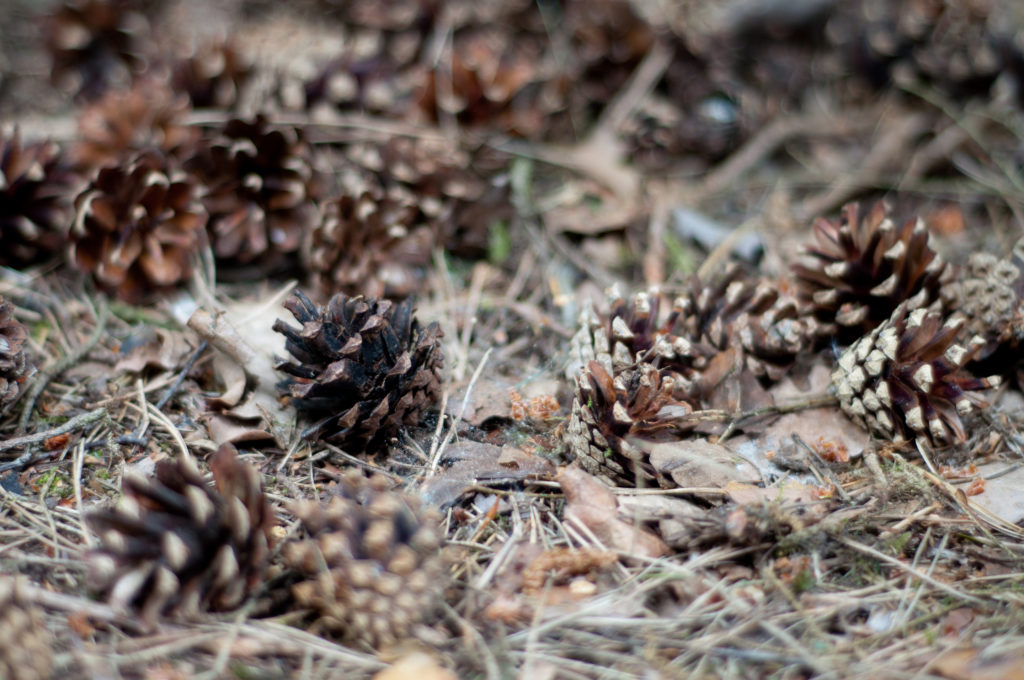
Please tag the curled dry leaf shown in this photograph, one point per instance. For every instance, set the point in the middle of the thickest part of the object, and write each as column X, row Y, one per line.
column 698, row 463
column 593, row 505
column 164, row 349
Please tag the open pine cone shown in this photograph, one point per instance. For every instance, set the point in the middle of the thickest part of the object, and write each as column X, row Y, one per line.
column 25, row 652
column 95, row 44
column 611, row 409
column 362, row 368
column 34, row 204
column 15, row 367
column 174, row 544
column 904, row 380
column 137, row 227
column 123, row 123
column 370, row 245
column 371, row 561
column 260, row 189
column 213, row 75
column 863, row 268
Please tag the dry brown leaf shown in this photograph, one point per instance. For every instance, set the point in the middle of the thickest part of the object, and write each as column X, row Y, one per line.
column 165, row 350
column 698, row 463
column 489, row 399
column 1002, row 496
column 416, row 666
column 477, row 462
column 967, row 664
column 593, row 505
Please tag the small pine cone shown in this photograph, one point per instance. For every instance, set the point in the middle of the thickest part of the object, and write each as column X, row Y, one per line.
column 988, row 293
column 25, row 652
column 610, row 409
column 35, row 183
column 362, row 367
column 175, row 544
column 751, row 315
column 95, row 44
column 260, row 191
column 123, row 123
column 862, row 269
column 370, row 245
column 137, row 227
column 15, row 367
column 372, row 560
column 904, row 379
column 213, row 75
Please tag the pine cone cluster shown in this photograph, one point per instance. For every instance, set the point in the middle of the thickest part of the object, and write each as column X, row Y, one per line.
column 25, row 652
column 35, row 183
column 862, row 269
column 137, row 226
column 260, row 191
column 905, row 379
column 370, row 561
column 15, row 366
column 362, row 368
column 174, row 544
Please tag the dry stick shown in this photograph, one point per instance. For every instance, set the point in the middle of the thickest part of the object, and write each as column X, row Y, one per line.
column 79, row 421
column 69, row 360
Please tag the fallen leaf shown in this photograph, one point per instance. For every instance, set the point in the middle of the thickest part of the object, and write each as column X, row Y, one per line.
column 593, row 505
column 970, row 664
column 478, row 462
column 416, row 666
column 160, row 348
column 489, row 399
column 698, row 463
column 1001, row 495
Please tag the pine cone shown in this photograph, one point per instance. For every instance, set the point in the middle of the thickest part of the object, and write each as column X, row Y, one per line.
column 174, row 544
column 15, row 367
column 372, row 559
column 123, row 123
column 213, row 75
column 370, row 245
column 137, row 227
column 904, row 379
column 610, row 409
column 260, row 191
column 988, row 293
column 25, row 652
column 735, row 311
column 363, row 368
column 95, row 44
column 862, row 269
column 35, row 183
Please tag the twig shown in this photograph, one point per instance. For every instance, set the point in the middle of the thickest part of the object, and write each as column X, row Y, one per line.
column 75, row 423
column 170, row 391
column 69, row 360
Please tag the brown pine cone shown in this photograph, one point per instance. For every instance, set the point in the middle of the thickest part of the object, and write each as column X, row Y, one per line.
column 35, row 188
column 175, row 544
column 372, row 560
column 15, row 366
column 213, row 75
column 734, row 311
column 862, row 269
column 609, row 410
column 137, row 227
column 95, row 44
column 123, row 123
column 260, row 189
column 370, row 245
column 905, row 380
column 362, row 368
column 25, row 652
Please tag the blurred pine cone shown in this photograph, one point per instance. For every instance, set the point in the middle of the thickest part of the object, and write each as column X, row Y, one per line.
column 213, row 75
column 863, row 268
column 174, row 544
column 15, row 367
column 25, row 652
column 612, row 409
column 35, row 200
column 137, row 227
column 372, row 560
column 260, row 191
column 370, row 245
column 362, row 367
column 904, row 379
column 123, row 123
column 988, row 293
column 734, row 311
column 95, row 44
